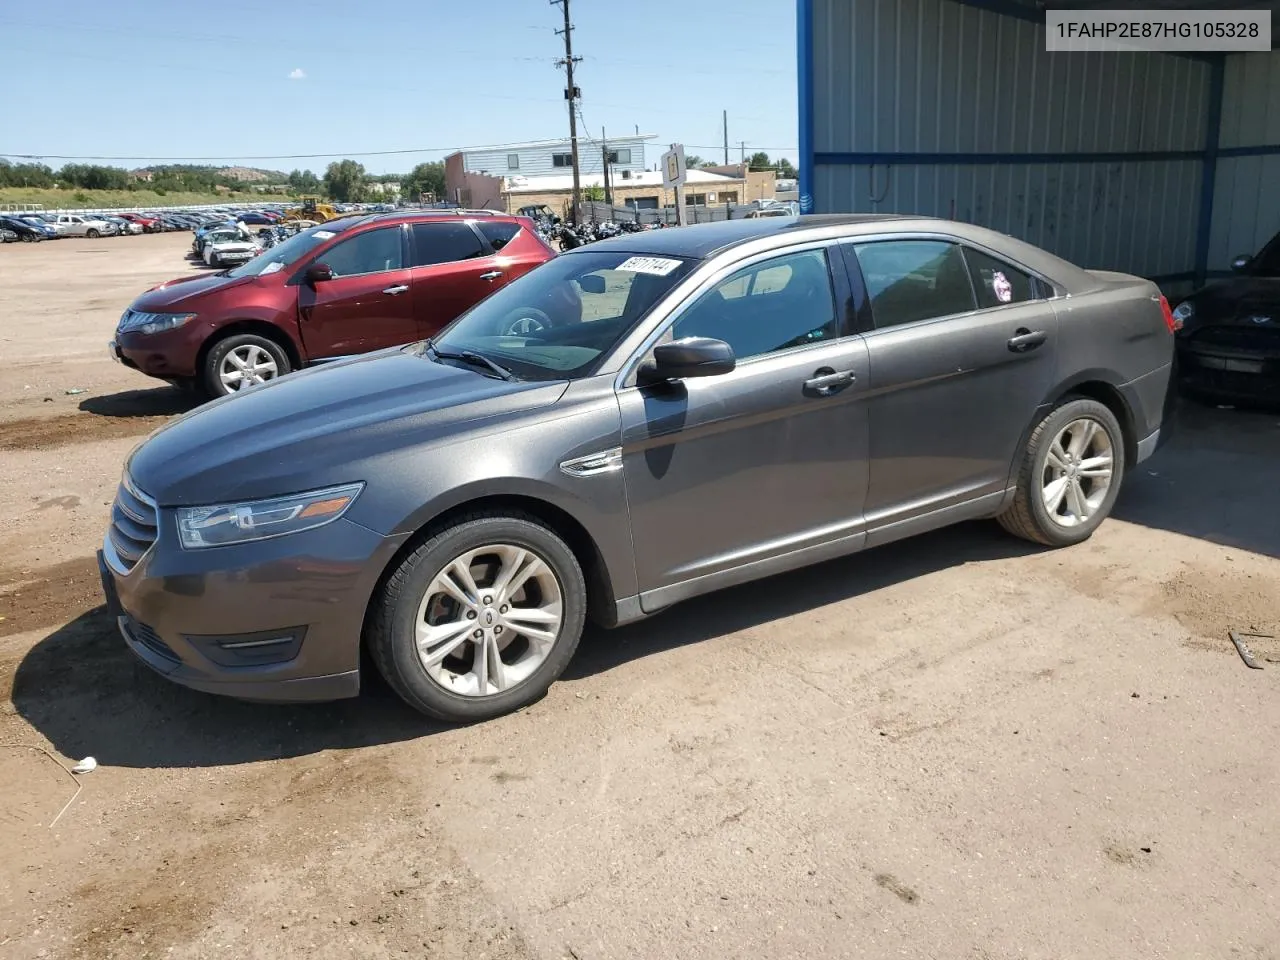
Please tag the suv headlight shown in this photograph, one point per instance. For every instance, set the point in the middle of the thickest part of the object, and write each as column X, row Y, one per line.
column 229, row 523
column 153, row 322
column 1182, row 313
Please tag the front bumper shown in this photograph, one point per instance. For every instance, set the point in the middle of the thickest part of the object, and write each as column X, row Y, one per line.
column 169, row 355
column 214, row 619
column 1230, row 371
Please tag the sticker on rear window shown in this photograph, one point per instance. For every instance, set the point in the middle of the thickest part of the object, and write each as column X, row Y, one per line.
column 323, row 234
column 1001, row 287
column 658, row 266
column 272, row 268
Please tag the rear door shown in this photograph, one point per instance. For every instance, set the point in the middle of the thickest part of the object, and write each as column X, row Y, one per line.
column 961, row 355
column 366, row 306
column 454, row 268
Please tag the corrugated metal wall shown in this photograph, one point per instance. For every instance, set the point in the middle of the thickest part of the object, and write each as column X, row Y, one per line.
column 938, row 77
column 1246, row 208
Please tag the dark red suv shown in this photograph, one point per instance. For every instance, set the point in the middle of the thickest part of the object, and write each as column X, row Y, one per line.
column 344, row 287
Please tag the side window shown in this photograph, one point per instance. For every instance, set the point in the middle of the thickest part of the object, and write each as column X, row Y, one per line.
column 911, row 280
column 374, row 251
column 444, row 243
column 498, row 233
column 769, row 306
column 997, row 283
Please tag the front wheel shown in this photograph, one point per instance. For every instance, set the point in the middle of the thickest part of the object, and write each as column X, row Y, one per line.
column 240, row 361
column 1069, row 476
column 479, row 620
column 92, row 234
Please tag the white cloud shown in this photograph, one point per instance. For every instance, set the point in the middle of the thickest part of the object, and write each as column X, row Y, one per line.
column 297, row 73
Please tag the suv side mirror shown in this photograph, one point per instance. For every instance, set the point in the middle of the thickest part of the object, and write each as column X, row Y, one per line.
column 318, row 273
column 1241, row 263
column 689, row 357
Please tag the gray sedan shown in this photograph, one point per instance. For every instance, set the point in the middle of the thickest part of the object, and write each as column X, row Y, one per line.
column 632, row 424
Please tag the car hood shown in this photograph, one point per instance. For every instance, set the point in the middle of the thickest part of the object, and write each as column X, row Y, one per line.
column 176, row 292
column 230, row 244
column 1237, row 300
column 312, row 429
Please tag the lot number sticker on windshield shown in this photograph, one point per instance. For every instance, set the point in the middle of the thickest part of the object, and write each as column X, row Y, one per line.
column 323, row 234
column 658, row 266
column 1001, row 286
column 272, row 268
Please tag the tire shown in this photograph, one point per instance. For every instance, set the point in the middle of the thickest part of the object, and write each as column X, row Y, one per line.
column 92, row 234
column 248, row 347
column 1077, row 514
column 410, row 596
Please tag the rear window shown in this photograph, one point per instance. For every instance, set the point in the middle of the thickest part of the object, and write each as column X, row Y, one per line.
column 499, row 233
column 445, row 242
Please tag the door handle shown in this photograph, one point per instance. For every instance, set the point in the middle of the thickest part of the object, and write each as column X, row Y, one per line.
column 398, row 288
column 491, row 275
column 1024, row 340
column 826, row 381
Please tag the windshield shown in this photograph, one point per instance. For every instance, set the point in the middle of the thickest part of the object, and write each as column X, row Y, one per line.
column 283, row 254
column 557, row 321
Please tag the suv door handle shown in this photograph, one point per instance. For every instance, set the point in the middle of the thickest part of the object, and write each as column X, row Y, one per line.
column 398, row 288
column 1024, row 340
column 491, row 275
column 826, row 381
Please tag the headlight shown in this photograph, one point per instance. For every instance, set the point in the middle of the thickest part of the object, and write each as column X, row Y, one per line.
column 133, row 321
column 229, row 523
column 1182, row 313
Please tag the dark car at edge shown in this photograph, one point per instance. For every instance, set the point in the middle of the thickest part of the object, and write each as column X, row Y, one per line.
column 637, row 422
column 1228, row 340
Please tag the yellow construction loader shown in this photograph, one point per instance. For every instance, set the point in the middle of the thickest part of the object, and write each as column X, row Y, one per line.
column 311, row 208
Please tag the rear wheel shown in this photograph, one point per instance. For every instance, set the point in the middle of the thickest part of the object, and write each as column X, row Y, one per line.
column 1070, row 475
column 240, row 361
column 479, row 620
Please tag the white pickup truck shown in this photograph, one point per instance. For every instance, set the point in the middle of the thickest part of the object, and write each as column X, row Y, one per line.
column 84, row 225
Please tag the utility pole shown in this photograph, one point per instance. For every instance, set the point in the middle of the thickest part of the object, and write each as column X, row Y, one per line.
column 571, row 94
column 742, row 145
column 726, row 138
column 608, row 193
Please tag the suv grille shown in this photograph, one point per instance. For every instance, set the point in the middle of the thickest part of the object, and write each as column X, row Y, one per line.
column 133, row 525
column 1253, row 337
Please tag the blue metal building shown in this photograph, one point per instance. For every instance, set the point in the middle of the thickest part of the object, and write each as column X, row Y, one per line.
column 1165, row 165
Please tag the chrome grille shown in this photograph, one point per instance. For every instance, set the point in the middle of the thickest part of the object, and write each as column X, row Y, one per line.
column 133, row 525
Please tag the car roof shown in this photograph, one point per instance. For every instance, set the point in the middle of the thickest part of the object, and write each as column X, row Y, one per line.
column 702, row 240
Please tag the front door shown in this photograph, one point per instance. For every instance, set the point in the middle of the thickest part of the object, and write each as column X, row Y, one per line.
column 961, row 357
column 766, row 460
column 453, row 269
column 367, row 305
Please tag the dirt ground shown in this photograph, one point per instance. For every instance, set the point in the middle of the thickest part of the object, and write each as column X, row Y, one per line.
column 955, row 746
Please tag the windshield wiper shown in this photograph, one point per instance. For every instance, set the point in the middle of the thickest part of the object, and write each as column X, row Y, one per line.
column 473, row 358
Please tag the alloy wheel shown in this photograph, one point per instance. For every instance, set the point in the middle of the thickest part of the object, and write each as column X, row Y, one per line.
column 245, row 366
column 1077, row 472
column 488, row 620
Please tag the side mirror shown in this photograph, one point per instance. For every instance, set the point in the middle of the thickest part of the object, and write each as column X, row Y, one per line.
column 318, row 273
column 592, row 283
column 690, row 357
column 1241, row 263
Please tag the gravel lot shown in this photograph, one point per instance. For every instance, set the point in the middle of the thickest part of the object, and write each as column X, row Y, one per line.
column 955, row 746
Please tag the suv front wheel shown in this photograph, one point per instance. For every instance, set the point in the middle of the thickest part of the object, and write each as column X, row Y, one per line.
column 240, row 361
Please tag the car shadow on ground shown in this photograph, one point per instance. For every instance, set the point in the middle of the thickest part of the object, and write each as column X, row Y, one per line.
column 155, row 402
column 83, row 690
column 1216, row 479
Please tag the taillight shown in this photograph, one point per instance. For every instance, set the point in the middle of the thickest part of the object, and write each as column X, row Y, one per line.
column 1169, row 321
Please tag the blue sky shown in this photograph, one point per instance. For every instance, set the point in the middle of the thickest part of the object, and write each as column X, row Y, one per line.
column 237, row 79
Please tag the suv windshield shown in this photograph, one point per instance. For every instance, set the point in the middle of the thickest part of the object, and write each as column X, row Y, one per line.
column 284, row 254
column 557, row 321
